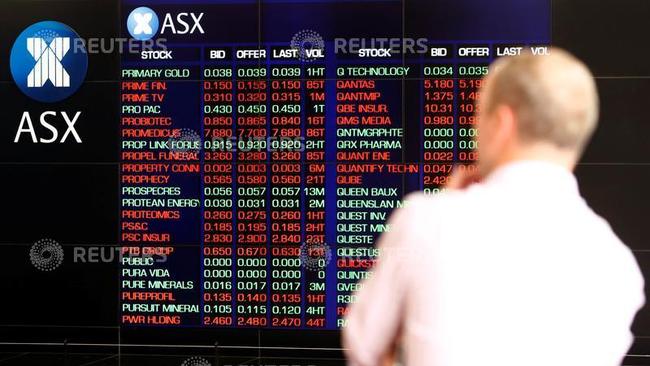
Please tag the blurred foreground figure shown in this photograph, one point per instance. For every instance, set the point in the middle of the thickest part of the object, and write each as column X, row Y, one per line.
column 515, row 269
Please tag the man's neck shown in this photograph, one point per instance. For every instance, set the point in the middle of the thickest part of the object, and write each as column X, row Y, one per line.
column 540, row 152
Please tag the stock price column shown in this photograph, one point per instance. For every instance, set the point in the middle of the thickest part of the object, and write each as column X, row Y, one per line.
column 252, row 194
column 286, row 278
column 438, row 127
column 316, row 254
column 218, row 188
column 475, row 64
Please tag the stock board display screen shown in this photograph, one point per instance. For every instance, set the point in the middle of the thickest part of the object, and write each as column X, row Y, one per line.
column 263, row 145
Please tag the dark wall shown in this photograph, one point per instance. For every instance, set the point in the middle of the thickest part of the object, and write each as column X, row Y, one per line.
column 611, row 37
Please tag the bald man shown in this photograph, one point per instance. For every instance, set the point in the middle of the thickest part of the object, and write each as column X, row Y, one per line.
column 515, row 269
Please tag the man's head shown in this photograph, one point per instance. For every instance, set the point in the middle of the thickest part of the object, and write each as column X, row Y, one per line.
column 536, row 107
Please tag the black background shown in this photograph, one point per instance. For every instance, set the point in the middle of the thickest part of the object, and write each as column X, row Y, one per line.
column 69, row 192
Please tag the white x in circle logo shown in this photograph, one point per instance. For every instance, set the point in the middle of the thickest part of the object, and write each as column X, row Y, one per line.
column 48, row 62
column 142, row 23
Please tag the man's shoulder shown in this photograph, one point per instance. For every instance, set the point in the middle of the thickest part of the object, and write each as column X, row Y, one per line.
column 427, row 211
column 446, row 200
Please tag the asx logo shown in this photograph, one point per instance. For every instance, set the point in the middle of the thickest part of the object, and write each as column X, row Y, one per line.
column 143, row 23
column 44, row 66
column 48, row 63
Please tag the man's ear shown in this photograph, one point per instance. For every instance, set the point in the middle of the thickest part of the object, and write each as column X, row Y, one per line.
column 506, row 125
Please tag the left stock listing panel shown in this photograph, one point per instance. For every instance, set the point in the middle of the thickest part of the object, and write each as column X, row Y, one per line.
column 59, row 164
